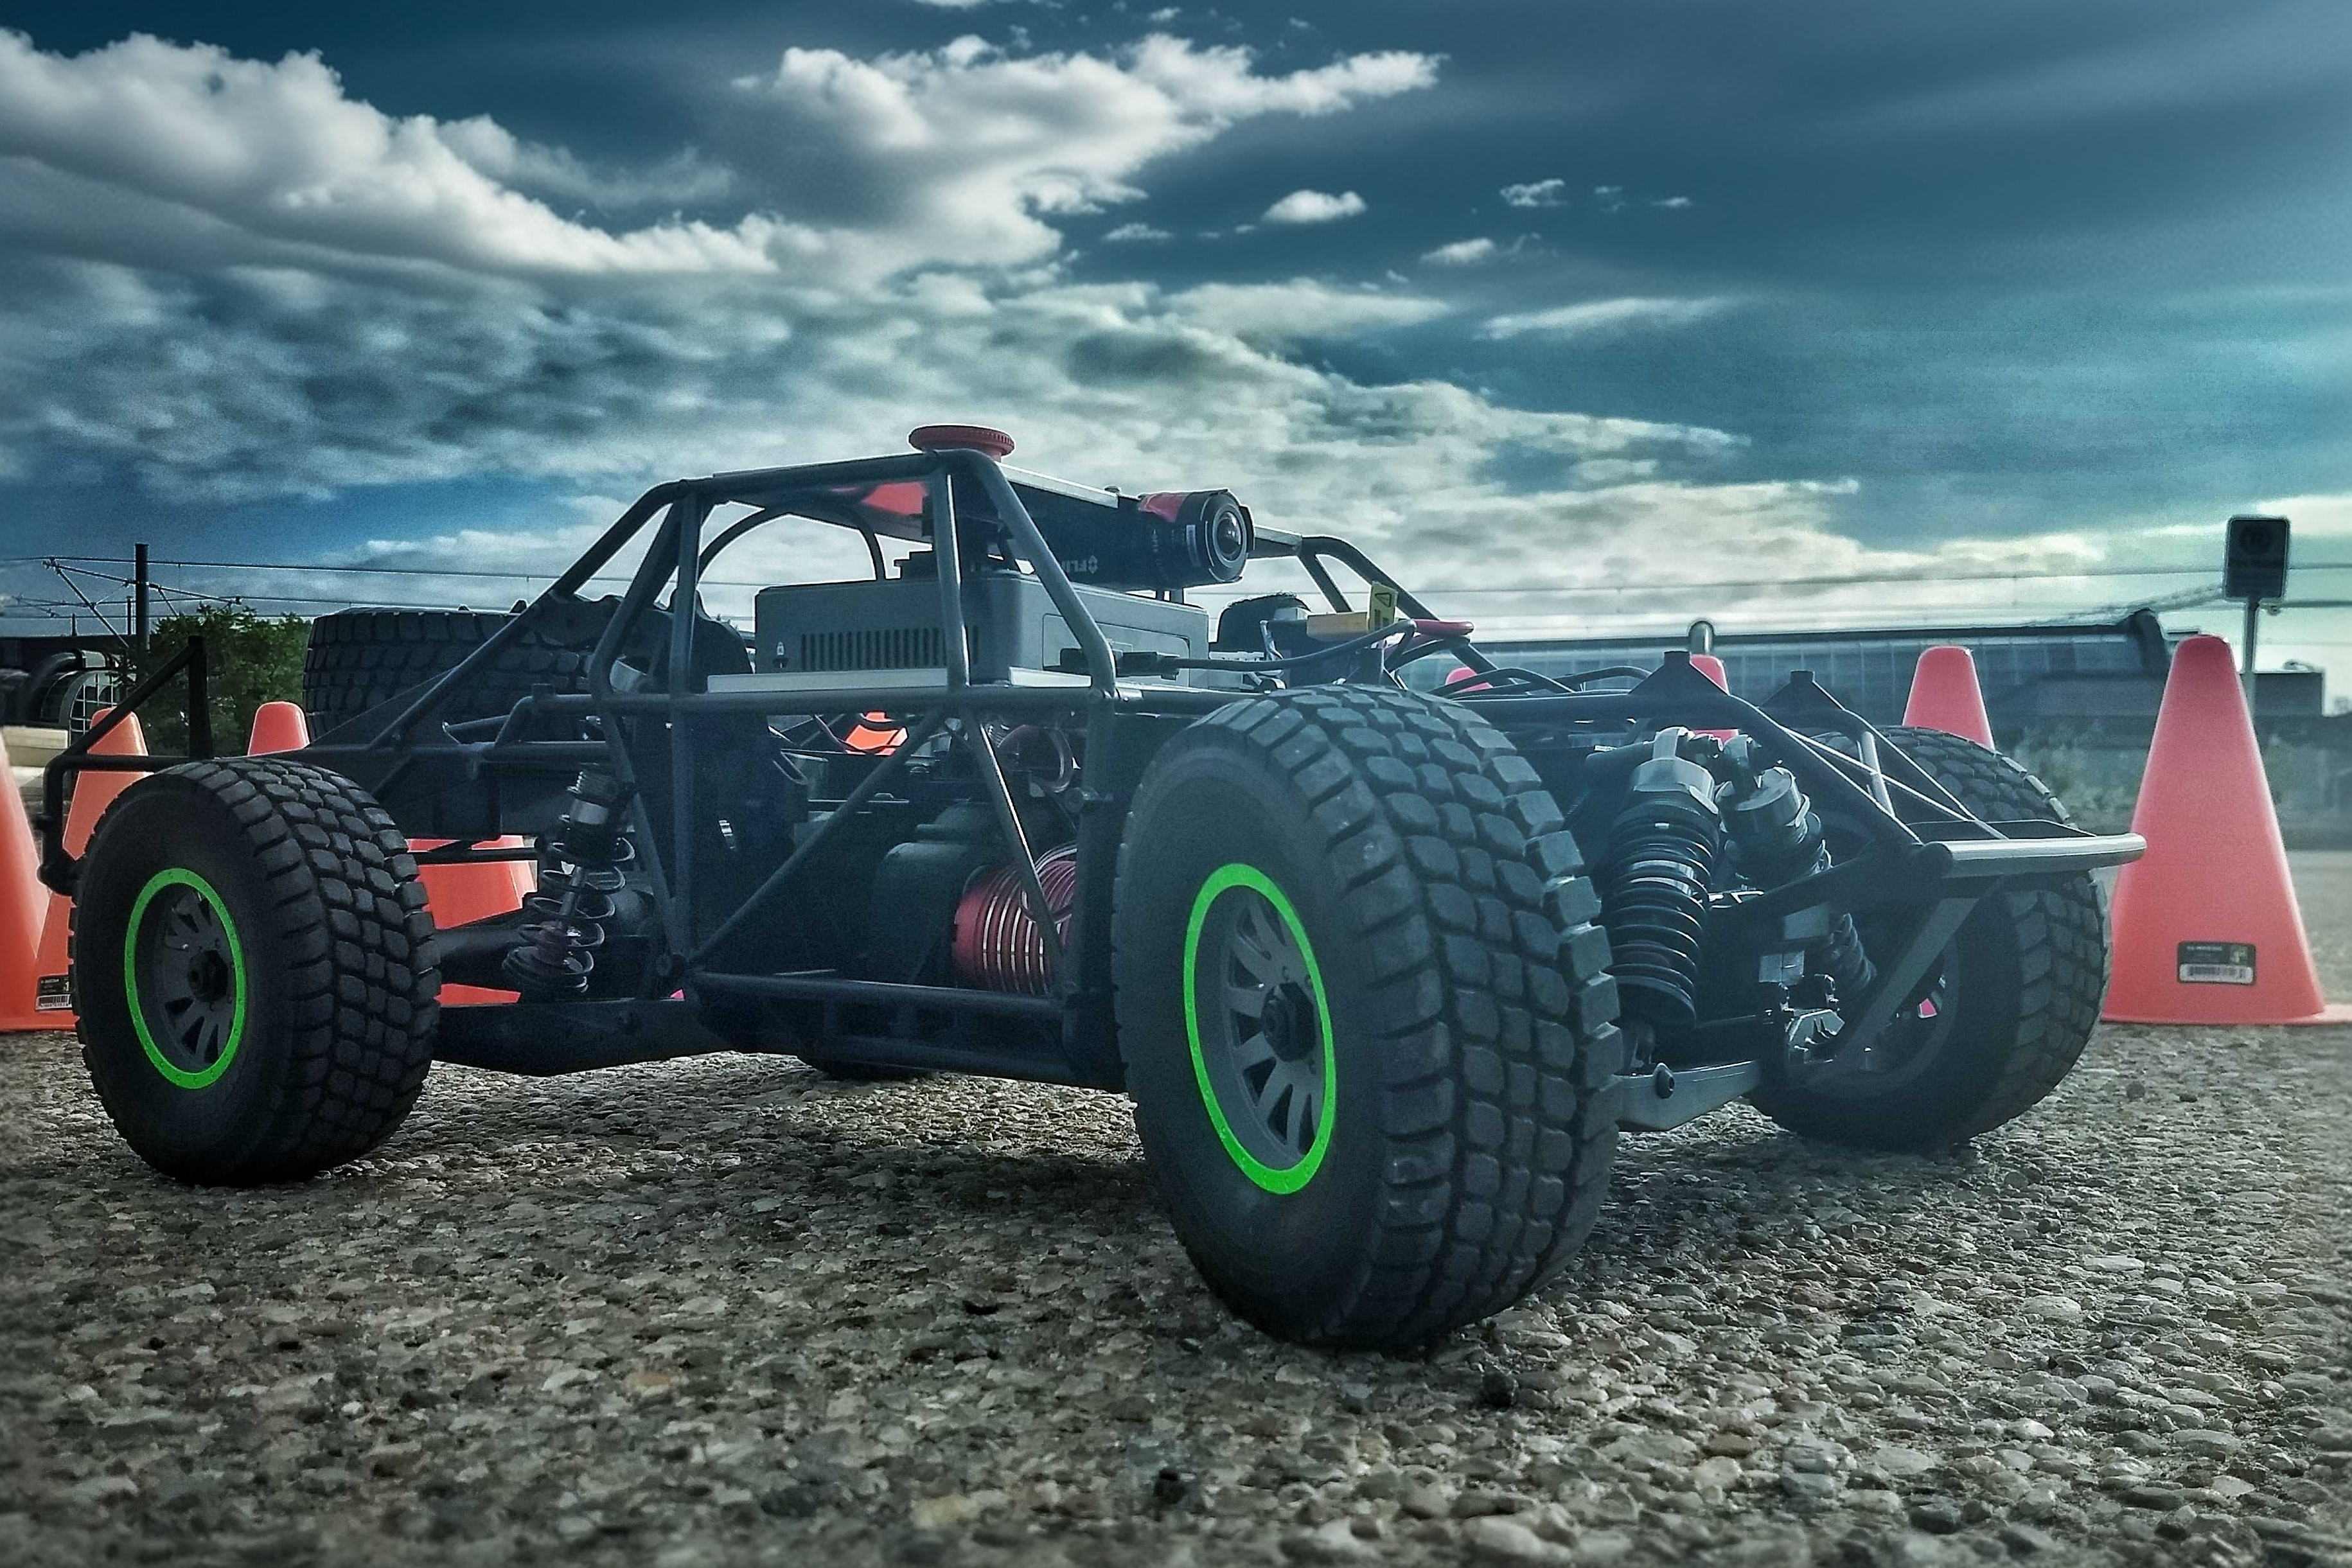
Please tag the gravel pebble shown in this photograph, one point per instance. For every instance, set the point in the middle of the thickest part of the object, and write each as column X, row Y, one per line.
column 1505, row 1540
column 725, row 1311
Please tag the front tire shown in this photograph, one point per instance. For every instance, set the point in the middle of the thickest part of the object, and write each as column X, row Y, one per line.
column 1365, row 1014
column 254, row 969
column 2016, row 1002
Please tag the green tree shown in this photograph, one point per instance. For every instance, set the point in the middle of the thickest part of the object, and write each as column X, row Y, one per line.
column 250, row 660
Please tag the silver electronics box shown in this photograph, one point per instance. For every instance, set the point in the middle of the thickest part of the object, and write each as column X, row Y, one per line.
column 826, row 631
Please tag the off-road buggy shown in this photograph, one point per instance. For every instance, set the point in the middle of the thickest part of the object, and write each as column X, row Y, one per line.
column 1383, row 971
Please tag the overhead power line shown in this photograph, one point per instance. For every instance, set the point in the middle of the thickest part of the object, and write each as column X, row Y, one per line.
column 1842, row 580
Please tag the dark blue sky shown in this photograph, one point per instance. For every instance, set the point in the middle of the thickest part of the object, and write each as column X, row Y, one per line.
column 1789, row 291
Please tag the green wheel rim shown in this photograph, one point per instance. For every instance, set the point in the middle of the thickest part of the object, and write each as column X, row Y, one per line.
column 1215, row 1067
column 199, row 1014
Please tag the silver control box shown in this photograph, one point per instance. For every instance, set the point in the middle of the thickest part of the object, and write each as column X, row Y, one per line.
column 838, row 632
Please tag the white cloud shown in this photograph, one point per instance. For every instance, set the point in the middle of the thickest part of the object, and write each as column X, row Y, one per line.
column 250, row 385
column 1313, row 208
column 1598, row 316
column 960, row 154
column 1284, row 312
column 2307, row 515
column 1461, row 253
column 1538, row 194
column 1608, row 198
column 683, row 180
column 1127, row 233
column 1672, row 204
column 272, row 162
column 155, row 153
column 230, row 281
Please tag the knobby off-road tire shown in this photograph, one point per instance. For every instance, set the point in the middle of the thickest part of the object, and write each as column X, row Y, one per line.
column 254, row 970
column 358, row 658
column 1385, row 881
column 2021, row 987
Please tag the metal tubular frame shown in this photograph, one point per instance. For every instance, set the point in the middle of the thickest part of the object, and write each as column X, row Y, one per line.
column 1011, row 1035
column 1678, row 694
column 917, row 736
column 59, row 872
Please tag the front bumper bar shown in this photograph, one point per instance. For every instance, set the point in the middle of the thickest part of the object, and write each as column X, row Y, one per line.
column 1944, row 877
column 2026, row 849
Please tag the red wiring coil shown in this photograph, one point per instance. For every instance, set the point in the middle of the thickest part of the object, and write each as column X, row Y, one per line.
column 998, row 944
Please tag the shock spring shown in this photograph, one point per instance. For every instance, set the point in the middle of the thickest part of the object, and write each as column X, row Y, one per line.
column 579, row 869
column 1662, row 850
column 1776, row 838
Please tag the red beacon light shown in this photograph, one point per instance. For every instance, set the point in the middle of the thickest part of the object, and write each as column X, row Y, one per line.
column 959, row 437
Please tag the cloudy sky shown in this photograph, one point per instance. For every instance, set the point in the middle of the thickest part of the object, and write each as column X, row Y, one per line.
column 1556, row 305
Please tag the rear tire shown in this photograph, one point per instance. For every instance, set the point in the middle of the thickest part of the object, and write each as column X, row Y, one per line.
column 2022, row 986
column 1365, row 1014
column 254, row 970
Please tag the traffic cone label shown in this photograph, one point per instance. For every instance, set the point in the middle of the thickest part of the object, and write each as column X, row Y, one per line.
column 2206, row 928
column 1944, row 696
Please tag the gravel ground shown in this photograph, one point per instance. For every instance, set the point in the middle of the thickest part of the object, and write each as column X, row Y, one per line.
column 726, row 1312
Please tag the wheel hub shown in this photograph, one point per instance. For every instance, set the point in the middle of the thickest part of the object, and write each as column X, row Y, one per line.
column 1259, row 1027
column 184, row 979
column 209, row 977
column 1289, row 1021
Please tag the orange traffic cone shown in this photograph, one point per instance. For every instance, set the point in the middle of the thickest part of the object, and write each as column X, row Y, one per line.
column 278, row 726
column 1944, row 696
column 2207, row 929
column 93, row 792
column 24, row 904
column 458, row 894
column 874, row 733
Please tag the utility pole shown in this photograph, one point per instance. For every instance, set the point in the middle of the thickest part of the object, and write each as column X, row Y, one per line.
column 2254, row 568
column 2246, row 667
column 139, row 590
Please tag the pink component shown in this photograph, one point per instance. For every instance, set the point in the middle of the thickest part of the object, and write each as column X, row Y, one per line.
column 998, row 944
column 1710, row 667
column 901, row 497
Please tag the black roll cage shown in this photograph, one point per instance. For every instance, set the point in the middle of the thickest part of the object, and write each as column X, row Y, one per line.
column 1945, row 863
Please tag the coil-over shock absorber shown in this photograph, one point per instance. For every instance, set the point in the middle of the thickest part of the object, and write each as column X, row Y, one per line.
column 1776, row 838
column 579, row 871
column 1662, row 850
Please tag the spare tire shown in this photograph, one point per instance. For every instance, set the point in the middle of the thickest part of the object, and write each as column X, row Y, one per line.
column 362, row 656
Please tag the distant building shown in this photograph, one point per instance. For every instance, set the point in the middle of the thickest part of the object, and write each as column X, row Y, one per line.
column 56, row 672
column 2105, row 677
